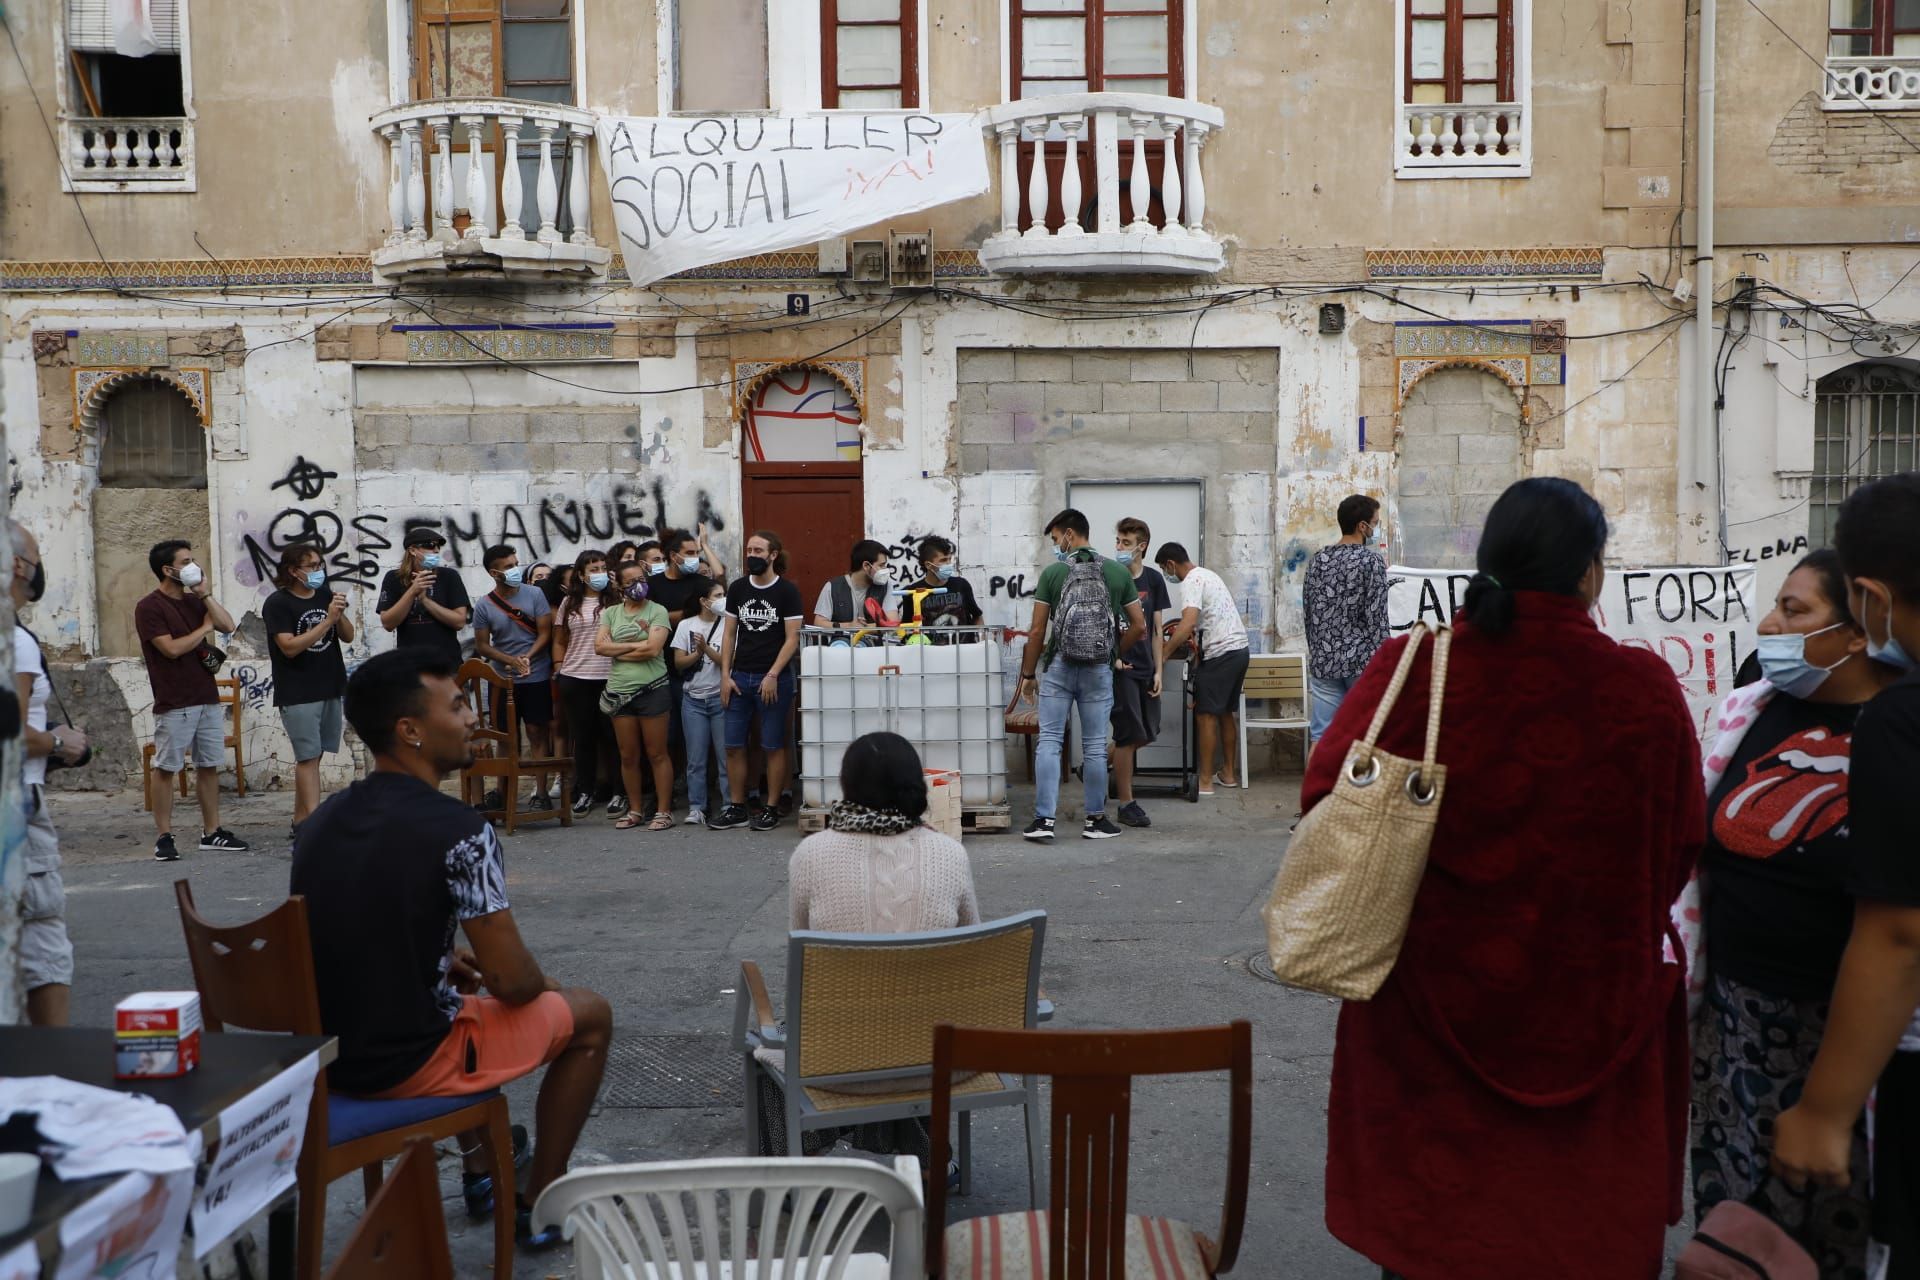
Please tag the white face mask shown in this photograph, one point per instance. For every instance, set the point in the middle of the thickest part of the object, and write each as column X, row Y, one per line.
column 190, row 575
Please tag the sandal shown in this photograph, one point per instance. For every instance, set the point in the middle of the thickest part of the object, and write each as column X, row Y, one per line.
column 661, row 821
column 628, row 821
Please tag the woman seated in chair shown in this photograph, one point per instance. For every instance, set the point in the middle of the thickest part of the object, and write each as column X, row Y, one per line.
column 877, row 868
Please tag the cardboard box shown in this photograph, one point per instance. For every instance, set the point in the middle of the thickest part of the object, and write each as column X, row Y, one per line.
column 156, row 1034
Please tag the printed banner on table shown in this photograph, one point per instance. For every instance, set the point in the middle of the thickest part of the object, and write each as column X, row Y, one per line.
column 1700, row 619
column 130, row 1231
column 688, row 192
column 260, row 1138
column 23, row 1263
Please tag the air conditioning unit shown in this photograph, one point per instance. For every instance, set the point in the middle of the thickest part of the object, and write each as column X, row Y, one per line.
column 869, row 262
column 913, row 260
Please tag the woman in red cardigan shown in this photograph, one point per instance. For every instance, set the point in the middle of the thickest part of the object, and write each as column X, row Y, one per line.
column 1513, row 1102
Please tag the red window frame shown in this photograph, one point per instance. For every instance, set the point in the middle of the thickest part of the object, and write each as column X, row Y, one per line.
column 1454, row 81
column 1880, row 35
column 909, row 24
column 1092, row 12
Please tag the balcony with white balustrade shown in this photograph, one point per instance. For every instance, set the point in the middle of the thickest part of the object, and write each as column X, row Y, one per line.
column 1462, row 140
column 1891, row 83
column 1140, row 210
column 119, row 154
column 447, row 159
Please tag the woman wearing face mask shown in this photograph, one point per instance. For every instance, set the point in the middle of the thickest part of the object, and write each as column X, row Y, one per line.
column 635, row 634
column 582, row 679
column 423, row 602
column 307, row 625
column 1777, row 913
column 1512, row 1102
column 696, row 652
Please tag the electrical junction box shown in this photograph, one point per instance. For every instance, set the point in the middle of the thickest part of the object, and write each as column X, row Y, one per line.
column 868, row 264
column 913, row 260
column 833, row 256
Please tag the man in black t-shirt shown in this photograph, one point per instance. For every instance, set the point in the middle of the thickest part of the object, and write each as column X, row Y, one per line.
column 941, row 598
column 758, row 649
column 1872, row 1035
column 389, row 867
column 423, row 602
column 679, row 591
column 307, row 624
column 1137, row 675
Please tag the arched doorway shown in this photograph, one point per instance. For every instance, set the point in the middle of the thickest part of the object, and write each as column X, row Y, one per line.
column 151, row 449
column 800, row 465
column 1866, row 424
column 1459, row 450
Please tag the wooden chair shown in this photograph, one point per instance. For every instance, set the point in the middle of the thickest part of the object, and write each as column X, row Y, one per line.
column 1276, row 677
column 230, row 699
column 632, row 1220
column 1092, row 1110
column 259, row 976
column 1024, row 722
column 404, row 1233
column 497, row 751
column 861, row 1009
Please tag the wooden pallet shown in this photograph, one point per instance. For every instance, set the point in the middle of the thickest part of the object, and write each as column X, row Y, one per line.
column 979, row 820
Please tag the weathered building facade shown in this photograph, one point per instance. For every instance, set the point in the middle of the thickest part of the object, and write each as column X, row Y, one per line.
column 361, row 273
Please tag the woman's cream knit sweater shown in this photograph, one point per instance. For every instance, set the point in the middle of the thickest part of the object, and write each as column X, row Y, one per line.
column 843, row 882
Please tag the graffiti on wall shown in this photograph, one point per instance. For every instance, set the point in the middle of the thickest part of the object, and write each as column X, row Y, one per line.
column 1779, row 549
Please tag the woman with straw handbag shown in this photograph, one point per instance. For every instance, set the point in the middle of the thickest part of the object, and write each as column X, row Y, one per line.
column 1512, row 1101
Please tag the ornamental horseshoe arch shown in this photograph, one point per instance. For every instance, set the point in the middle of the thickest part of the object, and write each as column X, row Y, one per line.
column 752, row 378
column 1511, row 372
column 93, row 387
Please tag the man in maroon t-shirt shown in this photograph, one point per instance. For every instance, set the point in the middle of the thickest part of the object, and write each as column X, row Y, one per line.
column 176, row 625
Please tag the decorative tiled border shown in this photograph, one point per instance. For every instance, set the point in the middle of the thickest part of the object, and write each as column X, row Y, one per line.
column 1524, row 354
column 1583, row 262
column 250, row 273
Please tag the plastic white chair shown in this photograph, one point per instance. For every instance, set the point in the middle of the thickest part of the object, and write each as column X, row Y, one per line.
column 631, row 1221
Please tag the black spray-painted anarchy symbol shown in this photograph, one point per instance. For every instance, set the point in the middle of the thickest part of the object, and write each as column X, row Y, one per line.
column 306, row 479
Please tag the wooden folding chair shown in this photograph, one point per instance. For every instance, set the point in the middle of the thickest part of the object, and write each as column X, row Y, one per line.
column 1276, row 677
column 259, row 976
column 236, row 738
column 497, row 751
column 1086, row 1231
column 404, row 1233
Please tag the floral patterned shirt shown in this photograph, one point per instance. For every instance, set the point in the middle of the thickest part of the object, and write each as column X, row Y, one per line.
column 1345, row 595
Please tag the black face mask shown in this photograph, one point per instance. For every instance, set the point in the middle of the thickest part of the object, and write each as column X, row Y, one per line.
column 756, row 565
column 37, row 584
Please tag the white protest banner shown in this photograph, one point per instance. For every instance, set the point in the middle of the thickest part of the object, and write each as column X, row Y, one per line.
column 687, row 192
column 260, row 1138
column 23, row 1263
column 129, row 1231
column 1701, row 619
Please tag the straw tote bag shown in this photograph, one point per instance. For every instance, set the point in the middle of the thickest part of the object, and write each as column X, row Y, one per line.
column 1340, row 905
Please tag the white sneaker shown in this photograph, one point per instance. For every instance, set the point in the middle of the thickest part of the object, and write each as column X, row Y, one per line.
column 696, row 818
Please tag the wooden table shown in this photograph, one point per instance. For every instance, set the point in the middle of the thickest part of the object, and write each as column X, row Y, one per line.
column 232, row 1065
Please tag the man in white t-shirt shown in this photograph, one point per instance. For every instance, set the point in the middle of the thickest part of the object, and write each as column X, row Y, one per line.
column 46, row 954
column 1207, row 607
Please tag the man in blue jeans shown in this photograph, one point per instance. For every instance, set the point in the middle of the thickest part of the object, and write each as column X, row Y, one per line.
column 1345, row 595
column 1079, row 606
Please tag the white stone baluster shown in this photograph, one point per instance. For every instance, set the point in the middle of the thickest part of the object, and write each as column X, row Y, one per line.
column 396, row 184
column 443, row 181
column 164, row 153
column 1170, row 176
column 579, row 202
column 479, row 190
column 142, row 150
column 1196, row 185
column 549, row 191
column 1009, row 135
column 510, row 228
column 120, row 152
column 1470, row 123
column 1070, row 177
column 416, row 181
column 1139, row 192
column 1516, row 123
column 81, row 152
column 1424, row 140
column 1037, row 182
column 1449, row 137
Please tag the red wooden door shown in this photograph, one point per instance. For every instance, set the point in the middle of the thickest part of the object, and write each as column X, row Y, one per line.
column 817, row 508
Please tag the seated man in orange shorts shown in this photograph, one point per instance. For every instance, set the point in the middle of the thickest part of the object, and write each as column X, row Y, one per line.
column 389, row 867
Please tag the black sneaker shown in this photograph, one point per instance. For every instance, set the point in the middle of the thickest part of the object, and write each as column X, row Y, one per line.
column 164, row 850
column 785, row 807
column 1039, row 829
column 582, row 803
column 493, row 800
column 1099, row 827
column 616, row 807
column 525, row 1236
column 222, row 840
column 477, row 1188
column 540, row 804
column 765, row 820
column 1133, row 815
column 727, row 819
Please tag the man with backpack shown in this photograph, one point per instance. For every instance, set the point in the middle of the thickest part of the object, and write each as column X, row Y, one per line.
column 1086, row 598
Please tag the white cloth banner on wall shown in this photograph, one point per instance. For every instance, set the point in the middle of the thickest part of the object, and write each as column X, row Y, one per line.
column 1701, row 619
column 688, row 192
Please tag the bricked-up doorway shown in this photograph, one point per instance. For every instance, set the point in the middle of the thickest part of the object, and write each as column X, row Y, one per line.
column 801, row 471
column 1459, row 450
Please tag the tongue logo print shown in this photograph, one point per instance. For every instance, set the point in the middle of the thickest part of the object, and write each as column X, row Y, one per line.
column 1793, row 794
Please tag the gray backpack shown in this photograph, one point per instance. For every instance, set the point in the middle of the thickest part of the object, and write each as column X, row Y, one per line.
column 1083, row 623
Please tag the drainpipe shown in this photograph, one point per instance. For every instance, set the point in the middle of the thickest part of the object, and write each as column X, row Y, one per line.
column 1706, row 406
